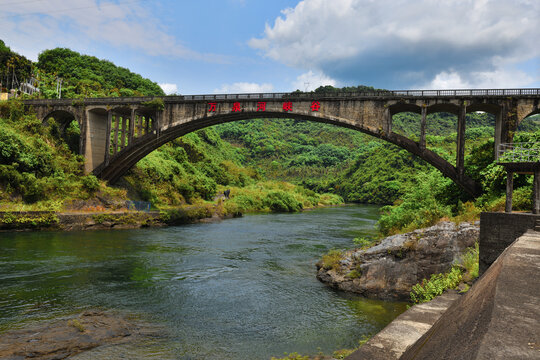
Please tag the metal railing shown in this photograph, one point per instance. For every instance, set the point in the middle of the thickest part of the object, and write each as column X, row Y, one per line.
column 518, row 152
column 300, row 95
column 295, row 95
column 378, row 93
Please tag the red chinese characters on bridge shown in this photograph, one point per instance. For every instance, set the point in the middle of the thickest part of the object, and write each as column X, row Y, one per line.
column 261, row 106
column 287, row 106
column 236, row 107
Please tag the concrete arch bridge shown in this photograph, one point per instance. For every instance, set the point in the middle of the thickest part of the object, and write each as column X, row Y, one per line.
column 118, row 132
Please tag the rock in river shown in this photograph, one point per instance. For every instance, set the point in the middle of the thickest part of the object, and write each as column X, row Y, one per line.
column 61, row 339
column 390, row 269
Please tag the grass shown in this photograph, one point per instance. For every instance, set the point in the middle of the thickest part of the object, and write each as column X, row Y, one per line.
column 465, row 271
column 76, row 324
column 331, row 260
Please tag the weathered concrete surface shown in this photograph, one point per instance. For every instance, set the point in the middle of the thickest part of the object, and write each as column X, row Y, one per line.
column 498, row 318
column 392, row 341
column 390, row 269
column 63, row 338
column 499, row 230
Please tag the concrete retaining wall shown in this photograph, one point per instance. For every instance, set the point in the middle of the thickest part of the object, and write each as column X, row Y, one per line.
column 498, row 231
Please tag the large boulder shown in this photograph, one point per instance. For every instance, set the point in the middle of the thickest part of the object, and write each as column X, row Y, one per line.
column 390, row 269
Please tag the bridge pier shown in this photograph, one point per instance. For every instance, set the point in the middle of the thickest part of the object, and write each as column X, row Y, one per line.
column 422, row 142
column 97, row 140
column 460, row 151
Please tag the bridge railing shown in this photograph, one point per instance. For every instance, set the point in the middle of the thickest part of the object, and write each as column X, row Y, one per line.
column 519, row 152
column 378, row 93
column 299, row 95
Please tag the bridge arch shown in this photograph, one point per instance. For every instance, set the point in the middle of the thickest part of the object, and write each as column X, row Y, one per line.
column 120, row 163
column 62, row 117
column 404, row 107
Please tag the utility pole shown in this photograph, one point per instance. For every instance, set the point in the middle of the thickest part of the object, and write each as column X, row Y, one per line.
column 59, row 87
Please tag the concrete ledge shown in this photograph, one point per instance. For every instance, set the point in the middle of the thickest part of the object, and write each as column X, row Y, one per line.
column 392, row 341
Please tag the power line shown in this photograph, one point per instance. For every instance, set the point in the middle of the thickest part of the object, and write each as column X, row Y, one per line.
column 70, row 9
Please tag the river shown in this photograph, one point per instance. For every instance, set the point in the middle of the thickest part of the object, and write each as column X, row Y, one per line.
column 243, row 288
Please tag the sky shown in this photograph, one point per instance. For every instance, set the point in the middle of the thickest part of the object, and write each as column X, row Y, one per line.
column 238, row 46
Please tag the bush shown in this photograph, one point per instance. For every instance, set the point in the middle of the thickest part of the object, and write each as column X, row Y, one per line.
column 465, row 270
column 427, row 290
column 90, row 183
column 281, row 201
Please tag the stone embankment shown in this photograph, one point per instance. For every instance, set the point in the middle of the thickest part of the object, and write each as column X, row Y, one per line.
column 105, row 220
column 390, row 269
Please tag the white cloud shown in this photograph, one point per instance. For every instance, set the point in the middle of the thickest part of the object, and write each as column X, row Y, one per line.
column 481, row 79
column 405, row 43
column 309, row 81
column 169, row 89
column 120, row 25
column 244, row 87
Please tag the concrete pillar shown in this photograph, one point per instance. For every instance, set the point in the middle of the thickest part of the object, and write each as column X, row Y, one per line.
column 158, row 120
column 509, row 191
column 115, row 136
column 108, row 138
column 498, row 133
column 97, row 130
column 460, row 160
column 536, row 192
column 124, row 130
column 131, row 127
column 423, row 128
column 388, row 121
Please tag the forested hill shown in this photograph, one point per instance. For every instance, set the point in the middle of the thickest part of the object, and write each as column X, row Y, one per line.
column 88, row 76
column 12, row 66
column 82, row 75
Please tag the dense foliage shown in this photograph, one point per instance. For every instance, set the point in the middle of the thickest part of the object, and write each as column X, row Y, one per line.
column 88, row 76
column 13, row 67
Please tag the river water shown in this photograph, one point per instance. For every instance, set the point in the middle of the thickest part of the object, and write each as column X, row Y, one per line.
column 243, row 288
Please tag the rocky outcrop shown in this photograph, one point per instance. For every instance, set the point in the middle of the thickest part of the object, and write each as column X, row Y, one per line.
column 390, row 269
column 61, row 339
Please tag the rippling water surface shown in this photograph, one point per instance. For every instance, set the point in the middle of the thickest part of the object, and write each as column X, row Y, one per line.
column 239, row 289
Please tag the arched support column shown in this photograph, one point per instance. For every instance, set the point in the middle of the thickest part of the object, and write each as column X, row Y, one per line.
column 423, row 127
column 509, row 191
column 460, row 153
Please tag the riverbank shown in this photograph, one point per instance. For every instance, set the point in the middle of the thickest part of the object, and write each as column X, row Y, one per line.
column 122, row 219
column 106, row 220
